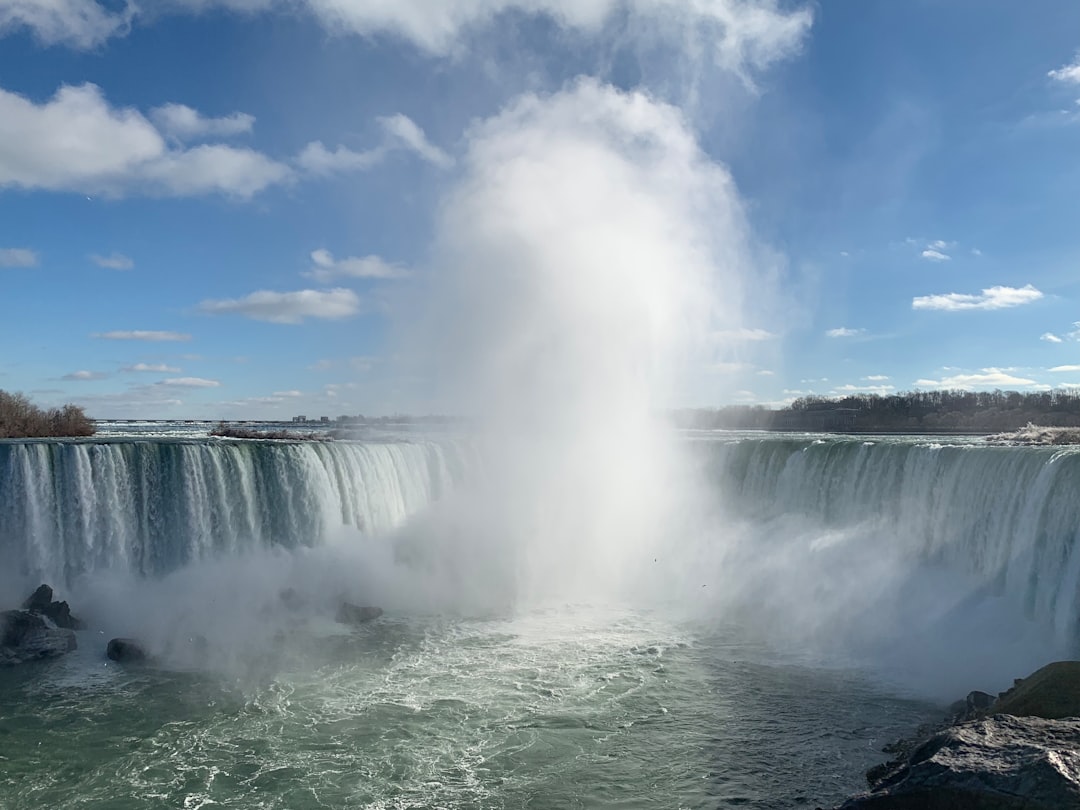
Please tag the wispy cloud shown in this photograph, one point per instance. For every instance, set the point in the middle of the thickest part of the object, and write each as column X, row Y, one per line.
column 83, row 376
column 843, row 332
column 288, row 307
column 934, row 255
column 990, row 298
column 850, row 388
column 743, row 334
column 1050, row 337
column 1065, row 368
column 877, row 378
column 143, row 334
column 986, row 378
column 399, row 133
column 184, row 123
column 114, row 261
column 189, row 382
column 327, row 268
column 1070, row 73
column 160, row 368
column 18, row 257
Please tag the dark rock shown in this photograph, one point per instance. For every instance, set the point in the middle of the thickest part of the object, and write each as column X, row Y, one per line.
column 995, row 763
column 1052, row 692
column 41, row 601
column 126, row 651
column 26, row 636
column 356, row 614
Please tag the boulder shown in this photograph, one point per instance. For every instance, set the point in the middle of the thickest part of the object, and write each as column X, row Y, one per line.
column 349, row 613
column 41, row 601
column 27, row 636
column 994, row 763
column 126, row 651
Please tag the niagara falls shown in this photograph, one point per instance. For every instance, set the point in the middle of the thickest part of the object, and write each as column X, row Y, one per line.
column 503, row 405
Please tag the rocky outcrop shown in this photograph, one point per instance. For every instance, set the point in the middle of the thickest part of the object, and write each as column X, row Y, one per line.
column 1020, row 750
column 27, row 636
column 349, row 613
column 126, row 651
column 41, row 601
column 994, row 763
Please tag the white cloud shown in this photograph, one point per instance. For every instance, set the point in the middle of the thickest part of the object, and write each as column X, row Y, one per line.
column 766, row 373
column 934, row 255
column 18, row 257
column 405, row 131
column 863, row 389
column 288, row 307
column 154, row 367
column 1070, row 73
column 976, row 252
column 181, row 122
column 1050, row 337
column 877, row 378
column 990, row 298
column 843, row 332
column 117, row 151
column 401, row 132
column 988, row 378
column 114, row 261
column 742, row 35
column 1066, row 368
column 291, row 394
column 189, row 382
column 743, row 334
column 78, row 23
column 85, row 375
column 142, row 334
column 327, row 268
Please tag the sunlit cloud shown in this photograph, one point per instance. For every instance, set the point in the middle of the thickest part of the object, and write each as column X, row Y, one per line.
column 843, row 332
column 327, row 268
column 288, row 307
column 990, row 298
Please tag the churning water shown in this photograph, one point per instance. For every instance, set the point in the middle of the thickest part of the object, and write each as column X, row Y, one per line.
column 837, row 591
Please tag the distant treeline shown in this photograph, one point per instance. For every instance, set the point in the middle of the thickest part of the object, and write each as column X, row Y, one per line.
column 22, row 419
column 909, row 411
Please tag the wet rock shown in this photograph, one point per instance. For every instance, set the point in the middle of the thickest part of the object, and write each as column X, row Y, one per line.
column 349, row 613
column 995, row 763
column 41, row 601
column 126, row 651
column 27, row 636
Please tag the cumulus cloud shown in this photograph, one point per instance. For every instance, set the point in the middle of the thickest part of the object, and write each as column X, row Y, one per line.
column 1070, row 73
column 400, row 132
column 183, row 123
column 153, row 367
column 77, row 23
column 934, row 255
column 1065, row 368
column 990, row 298
column 18, row 257
column 118, row 151
column 327, row 268
column 84, row 376
column 1050, row 337
column 843, row 332
column 288, row 307
column 987, row 378
column 114, row 261
column 143, row 334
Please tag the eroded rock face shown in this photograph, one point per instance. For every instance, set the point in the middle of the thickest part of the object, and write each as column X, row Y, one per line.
column 41, row 601
column 994, row 763
column 26, row 636
column 1052, row 692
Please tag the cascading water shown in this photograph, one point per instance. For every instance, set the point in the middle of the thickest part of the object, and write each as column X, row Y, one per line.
column 151, row 507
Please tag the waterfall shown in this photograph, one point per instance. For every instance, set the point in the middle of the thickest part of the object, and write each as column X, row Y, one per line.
column 152, row 506
column 1005, row 517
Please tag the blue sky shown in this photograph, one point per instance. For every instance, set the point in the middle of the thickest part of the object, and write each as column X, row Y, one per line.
column 260, row 208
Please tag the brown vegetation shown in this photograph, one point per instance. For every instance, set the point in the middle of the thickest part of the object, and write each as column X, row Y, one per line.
column 22, row 419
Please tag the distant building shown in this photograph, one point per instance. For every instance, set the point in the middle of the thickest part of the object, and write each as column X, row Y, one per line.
column 324, row 418
column 299, row 418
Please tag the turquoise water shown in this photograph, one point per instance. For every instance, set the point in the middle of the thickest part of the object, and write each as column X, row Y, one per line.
column 575, row 707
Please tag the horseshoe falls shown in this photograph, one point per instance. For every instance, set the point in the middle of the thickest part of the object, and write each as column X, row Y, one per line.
column 806, row 600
